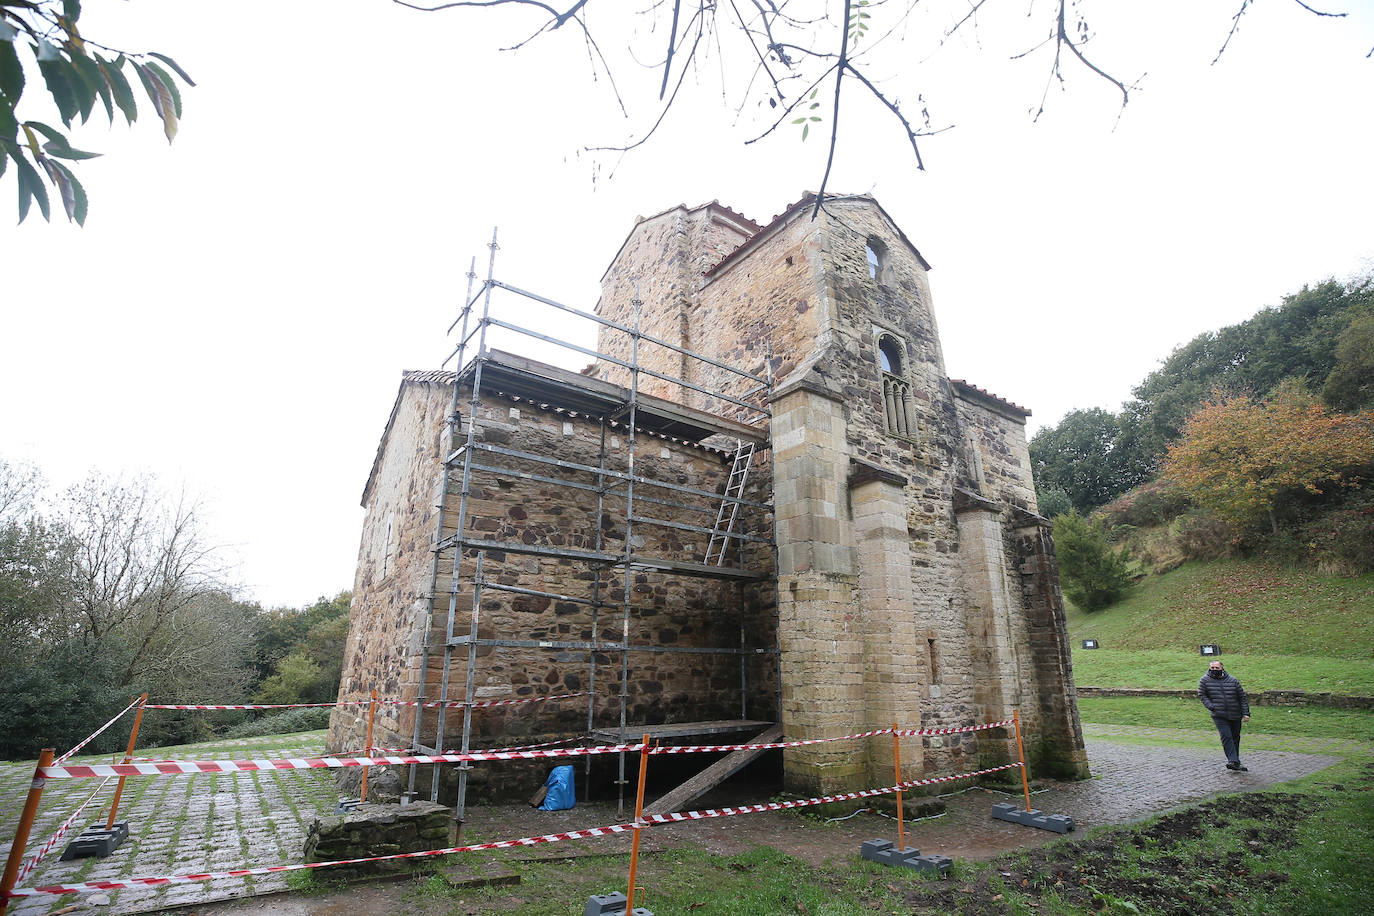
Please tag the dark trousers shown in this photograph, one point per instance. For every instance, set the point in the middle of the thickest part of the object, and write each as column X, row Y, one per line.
column 1230, row 737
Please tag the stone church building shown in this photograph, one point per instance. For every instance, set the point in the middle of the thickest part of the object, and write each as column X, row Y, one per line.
column 764, row 503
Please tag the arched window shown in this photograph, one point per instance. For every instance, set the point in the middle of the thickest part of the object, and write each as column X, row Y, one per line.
column 890, row 355
column 897, row 415
column 876, row 253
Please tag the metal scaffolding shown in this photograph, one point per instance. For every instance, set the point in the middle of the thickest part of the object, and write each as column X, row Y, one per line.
column 633, row 414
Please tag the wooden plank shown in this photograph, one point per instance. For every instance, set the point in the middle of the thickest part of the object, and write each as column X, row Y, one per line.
column 712, row 776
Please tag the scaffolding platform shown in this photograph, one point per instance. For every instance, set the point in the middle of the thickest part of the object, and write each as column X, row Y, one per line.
column 607, row 560
column 543, row 383
column 680, row 730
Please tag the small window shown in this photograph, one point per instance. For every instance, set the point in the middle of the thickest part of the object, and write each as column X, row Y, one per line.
column 876, row 254
column 890, row 355
column 898, row 418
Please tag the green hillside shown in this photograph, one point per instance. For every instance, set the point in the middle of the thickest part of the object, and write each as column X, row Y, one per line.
column 1278, row 628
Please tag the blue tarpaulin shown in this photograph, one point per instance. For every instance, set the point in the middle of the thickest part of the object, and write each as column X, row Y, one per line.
column 561, row 795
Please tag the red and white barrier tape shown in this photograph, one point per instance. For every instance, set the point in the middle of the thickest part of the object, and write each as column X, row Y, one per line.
column 822, row 800
column 479, row 704
column 253, row 705
column 489, row 750
column 93, row 734
column 56, row 838
column 86, row 887
column 193, row 767
column 452, row 704
column 901, row 732
column 649, row 820
column 933, row 732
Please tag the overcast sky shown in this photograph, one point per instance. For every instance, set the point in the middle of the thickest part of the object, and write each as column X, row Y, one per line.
column 236, row 313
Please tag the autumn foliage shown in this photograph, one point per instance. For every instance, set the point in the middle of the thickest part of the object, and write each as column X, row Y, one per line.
column 1239, row 458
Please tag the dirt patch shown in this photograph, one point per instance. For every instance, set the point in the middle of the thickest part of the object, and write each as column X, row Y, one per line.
column 1170, row 871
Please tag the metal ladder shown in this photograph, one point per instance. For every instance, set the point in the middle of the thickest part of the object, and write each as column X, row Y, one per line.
column 729, row 504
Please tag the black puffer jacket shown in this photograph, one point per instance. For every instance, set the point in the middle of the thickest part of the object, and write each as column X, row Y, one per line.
column 1223, row 696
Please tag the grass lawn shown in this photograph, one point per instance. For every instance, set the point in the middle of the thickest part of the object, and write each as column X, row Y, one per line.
column 1247, row 607
column 1177, row 669
column 1166, row 712
column 1278, row 629
column 1296, row 849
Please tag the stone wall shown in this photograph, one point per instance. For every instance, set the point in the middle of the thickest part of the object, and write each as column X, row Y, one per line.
column 670, row 611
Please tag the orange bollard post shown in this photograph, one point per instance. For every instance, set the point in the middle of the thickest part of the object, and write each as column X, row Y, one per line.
column 639, row 811
column 371, row 715
column 128, row 756
column 21, row 833
column 1021, row 750
column 897, row 767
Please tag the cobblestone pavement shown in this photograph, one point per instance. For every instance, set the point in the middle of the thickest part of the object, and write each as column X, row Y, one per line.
column 217, row 822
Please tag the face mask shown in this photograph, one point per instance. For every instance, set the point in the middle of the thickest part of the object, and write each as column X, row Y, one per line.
column 1216, row 672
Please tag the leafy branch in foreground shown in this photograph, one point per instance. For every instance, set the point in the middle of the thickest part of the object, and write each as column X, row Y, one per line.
column 76, row 75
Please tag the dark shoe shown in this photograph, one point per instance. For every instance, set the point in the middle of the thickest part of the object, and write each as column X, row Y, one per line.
column 1242, row 767
column 1233, row 765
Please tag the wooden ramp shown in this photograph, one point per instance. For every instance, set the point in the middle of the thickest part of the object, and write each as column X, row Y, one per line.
column 712, row 776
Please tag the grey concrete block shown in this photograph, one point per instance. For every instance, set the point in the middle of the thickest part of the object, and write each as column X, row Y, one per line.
column 96, row 841
column 612, row 904
column 1059, row 823
column 885, row 852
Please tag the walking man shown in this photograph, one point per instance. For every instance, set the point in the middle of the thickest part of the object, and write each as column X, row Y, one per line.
column 1225, row 699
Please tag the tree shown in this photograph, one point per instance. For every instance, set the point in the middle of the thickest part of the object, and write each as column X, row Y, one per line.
column 299, row 653
column 116, row 593
column 1053, row 502
column 1240, row 458
column 1093, row 575
column 77, row 72
column 1077, row 456
column 1350, row 386
column 796, row 57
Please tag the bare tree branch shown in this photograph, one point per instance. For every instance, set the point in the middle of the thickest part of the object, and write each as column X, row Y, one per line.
column 840, row 67
column 672, row 45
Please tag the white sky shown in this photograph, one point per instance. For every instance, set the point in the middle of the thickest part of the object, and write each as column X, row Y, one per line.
column 237, row 311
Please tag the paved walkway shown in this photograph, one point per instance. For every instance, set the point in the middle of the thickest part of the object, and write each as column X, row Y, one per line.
column 217, row 822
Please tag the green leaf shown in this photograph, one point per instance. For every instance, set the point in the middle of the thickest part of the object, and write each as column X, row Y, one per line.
column 7, row 32
column 58, row 144
column 805, row 130
column 95, row 80
column 171, row 85
column 11, row 73
column 54, row 136
column 72, row 10
column 174, row 65
column 9, row 127
column 73, row 195
column 161, row 99
column 77, row 209
column 119, row 86
column 30, row 188
column 82, row 85
column 55, row 74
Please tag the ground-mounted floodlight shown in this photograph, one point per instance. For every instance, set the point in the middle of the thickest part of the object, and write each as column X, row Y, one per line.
column 1090, row 644
column 1209, row 648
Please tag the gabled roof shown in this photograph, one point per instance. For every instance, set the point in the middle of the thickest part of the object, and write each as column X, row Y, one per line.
column 808, row 200
column 748, row 225
column 988, row 399
column 562, row 391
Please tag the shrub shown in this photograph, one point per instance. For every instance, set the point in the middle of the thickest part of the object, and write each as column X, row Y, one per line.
column 1053, row 502
column 1201, row 537
column 1155, row 503
column 1092, row 574
column 283, row 723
